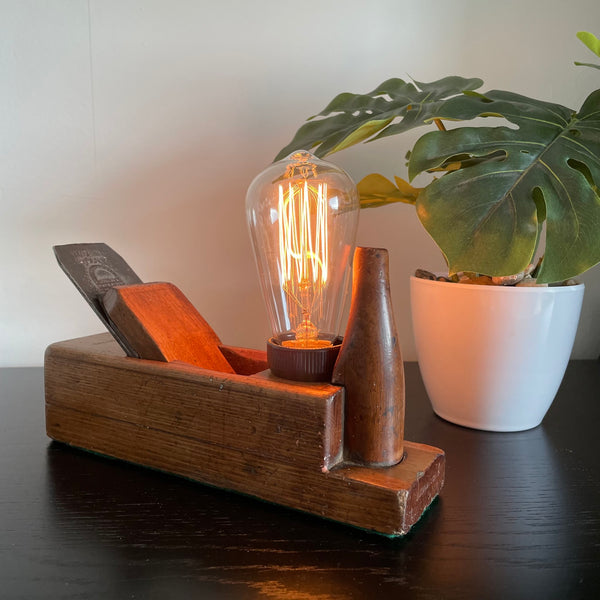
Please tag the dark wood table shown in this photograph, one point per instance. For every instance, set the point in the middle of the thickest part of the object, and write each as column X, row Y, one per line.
column 519, row 517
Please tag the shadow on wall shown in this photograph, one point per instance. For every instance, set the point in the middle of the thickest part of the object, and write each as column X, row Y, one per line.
column 181, row 220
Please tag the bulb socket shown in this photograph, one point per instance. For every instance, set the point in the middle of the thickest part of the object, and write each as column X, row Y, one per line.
column 302, row 364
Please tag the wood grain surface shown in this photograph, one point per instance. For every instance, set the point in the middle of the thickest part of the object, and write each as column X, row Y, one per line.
column 245, row 361
column 160, row 323
column 278, row 440
column 370, row 366
column 519, row 518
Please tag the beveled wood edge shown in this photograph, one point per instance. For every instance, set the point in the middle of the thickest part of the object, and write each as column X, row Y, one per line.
column 417, row 480
column 245, row 361
column 103, row 349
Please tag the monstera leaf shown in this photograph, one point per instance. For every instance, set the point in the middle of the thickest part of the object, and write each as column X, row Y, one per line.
column 352, row 118
column 503, row 188
column 487, row 215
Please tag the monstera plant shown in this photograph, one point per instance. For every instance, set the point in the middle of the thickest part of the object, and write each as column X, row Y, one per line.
column 496, row 191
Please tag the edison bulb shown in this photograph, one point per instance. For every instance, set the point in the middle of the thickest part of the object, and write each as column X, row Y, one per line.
column 302, row 215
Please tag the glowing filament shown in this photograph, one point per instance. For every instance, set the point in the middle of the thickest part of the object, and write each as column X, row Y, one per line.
column 303, row 249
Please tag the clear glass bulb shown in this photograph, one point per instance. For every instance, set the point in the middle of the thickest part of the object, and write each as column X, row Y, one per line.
column 303, row 216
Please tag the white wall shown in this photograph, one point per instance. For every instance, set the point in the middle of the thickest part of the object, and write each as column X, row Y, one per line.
column 141, row 123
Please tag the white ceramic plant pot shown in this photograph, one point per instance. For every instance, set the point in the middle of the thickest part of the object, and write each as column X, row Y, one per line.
column 493, row 357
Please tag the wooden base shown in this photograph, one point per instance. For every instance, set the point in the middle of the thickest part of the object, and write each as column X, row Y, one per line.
column 277, row 440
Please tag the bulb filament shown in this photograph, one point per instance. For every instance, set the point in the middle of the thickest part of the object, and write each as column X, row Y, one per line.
column 304, row 254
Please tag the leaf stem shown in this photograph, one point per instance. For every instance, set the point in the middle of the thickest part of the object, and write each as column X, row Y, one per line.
column 439, row 124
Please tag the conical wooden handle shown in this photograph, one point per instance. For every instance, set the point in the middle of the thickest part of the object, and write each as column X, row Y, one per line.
column 370, row 367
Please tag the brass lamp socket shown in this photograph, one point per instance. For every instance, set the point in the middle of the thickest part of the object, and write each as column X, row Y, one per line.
column 302, row 364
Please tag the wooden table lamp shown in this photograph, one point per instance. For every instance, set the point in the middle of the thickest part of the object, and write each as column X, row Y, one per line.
column 181, row 402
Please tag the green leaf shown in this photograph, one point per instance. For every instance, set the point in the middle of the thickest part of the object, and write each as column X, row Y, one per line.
column 580, row 64
column 376, row 190
column 392, row 107
column 486, row 216
column 590, row 40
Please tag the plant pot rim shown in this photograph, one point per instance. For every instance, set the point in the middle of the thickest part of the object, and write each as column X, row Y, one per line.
column 505, row 289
